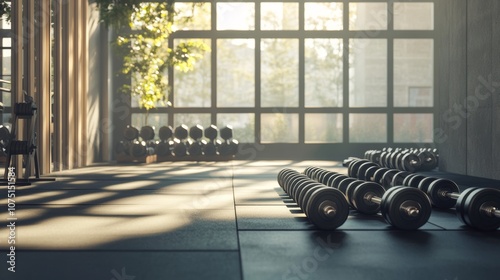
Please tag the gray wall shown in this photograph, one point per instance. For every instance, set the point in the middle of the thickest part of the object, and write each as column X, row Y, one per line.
column 468, row 86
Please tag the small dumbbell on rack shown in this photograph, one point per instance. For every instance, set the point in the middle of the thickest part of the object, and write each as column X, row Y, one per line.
column 403, row 207
column 212, row 145
column 228, row 147
column 325, row 207
column 196, row 144
column 4, row 139
column 165, row 145
column 130, row 134
column 180, row 141
column 410, row 160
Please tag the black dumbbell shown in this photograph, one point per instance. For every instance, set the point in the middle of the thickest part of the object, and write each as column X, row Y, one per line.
column 229, row 146
column 197, row 144
column 403, row 207
column 325, row 207
column 130, row 133
column 180, row 144
column 165, row 145
column 210, row 148
column 475, row 207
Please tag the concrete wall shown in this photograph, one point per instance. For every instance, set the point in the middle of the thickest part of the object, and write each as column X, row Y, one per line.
column 468, row 86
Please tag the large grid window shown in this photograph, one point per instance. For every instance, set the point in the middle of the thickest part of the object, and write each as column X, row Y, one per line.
column 308, row 72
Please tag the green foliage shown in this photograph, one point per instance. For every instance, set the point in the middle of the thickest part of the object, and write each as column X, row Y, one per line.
column 5, row 9
column 147, row 54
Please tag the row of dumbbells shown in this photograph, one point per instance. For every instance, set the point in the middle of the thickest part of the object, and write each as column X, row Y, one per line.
column 326, row 202
column 478, row 208
column 179, row 142
column 318, row 194
column 407, row 159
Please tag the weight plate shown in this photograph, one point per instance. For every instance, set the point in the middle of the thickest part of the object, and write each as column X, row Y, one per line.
column 302, row 193
column 331, row 180
column 370, row 172
column 323, row 199
column 407, row 197
column 281, row 175
column 424, row 184
column 414, row 180
column 130, row 133
column 299, row 187
column 196, row 132
column 147, row 133
column 307, row 195
column 359, row 201
column 399, row 178
column 352, row 170
column 377, row 176
column 475, row 205
column 326, row 177
column 459, row 206
column 438, row 188
column 410, row 162
column 335, row 183
column 386, row 180
column 350, row 190
column 362, row 170
column 342, row 186
column 165, row 132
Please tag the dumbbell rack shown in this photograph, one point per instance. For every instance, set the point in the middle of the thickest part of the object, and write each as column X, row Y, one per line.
column 25, row 148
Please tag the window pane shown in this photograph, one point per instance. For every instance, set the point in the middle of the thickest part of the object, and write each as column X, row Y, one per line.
column 413, row 72
column 414, row 16
column 368, row 73
column 367, row 16
column 192, row 16
column 235, row 76
column 243, row 126
column 366, row 128
column 413, row 128
column 323, row 128
column 279, row 128
column 279, row 16
column 156, row 120
column 192, row 120
column 235, row 16
column 6, row 42
column 280, row 73
column 193, row 89
column 323, row 73
column 6, row 63
column 323, row 16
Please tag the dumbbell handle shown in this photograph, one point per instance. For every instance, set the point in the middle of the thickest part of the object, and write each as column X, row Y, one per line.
column 489, row 210
column 411, row 210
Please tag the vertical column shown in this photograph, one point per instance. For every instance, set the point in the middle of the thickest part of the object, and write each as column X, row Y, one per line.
column 17, row 63
column 58, row 86
column 84, row 47
column 42, row 72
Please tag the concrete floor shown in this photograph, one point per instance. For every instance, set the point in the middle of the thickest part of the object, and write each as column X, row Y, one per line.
column 224, row 220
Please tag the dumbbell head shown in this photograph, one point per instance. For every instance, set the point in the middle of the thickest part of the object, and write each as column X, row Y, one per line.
column 361, row 195
column 180, row 148
column 424, row 184
column 405, row 208
column 211, row 132
column 370, row 172
column 210, row 149
column 147, row 133
column 428, row 160
column 344, row 183
column 410, row 162
column 181, row 132
column 196, row 132
column 226, row 132
column 130, row 133
column 477, row 207
column 414, row 181
column 165, row 133
column 4, row 133
column 163, row 148
column 363, row 168
column 229, row 148
column 399, row 178
column 196, row 148
column 386, row 180
column 327, row 208
column 437, row 191
column 352, row 170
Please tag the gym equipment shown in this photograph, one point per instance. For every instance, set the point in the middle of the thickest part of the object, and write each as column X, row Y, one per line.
column 196, row 146
column 180, row 144
column 210, row 149
column 228, row 147
column 410, row 160
column 325, row 207
column 403, row 207
column 478, row 208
